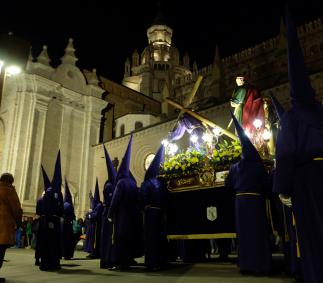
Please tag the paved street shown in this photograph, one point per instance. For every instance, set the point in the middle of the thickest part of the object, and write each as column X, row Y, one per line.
column 19, row 267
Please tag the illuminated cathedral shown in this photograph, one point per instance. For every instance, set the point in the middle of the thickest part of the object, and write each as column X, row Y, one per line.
column 45, row 109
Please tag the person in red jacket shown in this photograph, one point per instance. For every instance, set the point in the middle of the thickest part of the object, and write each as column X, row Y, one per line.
column 10, row 214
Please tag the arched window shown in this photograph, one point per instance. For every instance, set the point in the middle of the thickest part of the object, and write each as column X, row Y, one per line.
column 122, row 130
column 138, row 125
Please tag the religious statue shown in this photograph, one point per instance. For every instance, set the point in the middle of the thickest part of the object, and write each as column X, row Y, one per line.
column 248, row 104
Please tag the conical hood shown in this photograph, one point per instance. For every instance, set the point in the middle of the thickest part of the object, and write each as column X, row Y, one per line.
column 57, row 178
column 67, row 195
column 47, row 182
column 153, row 170
column 111, row 170
column 125, row 163
column 249, row 152
column 301, row 91
column 278, row 107
column 96, row 197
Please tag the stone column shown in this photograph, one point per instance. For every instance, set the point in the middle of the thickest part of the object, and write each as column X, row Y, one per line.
column 33, row 183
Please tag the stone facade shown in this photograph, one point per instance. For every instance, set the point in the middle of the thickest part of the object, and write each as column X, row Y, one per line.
column 44, row 110
column 264, row 64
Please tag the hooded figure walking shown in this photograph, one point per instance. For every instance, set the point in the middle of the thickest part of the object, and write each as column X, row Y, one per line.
column 292, row 256
column 124, row 213
column 250, row 180
column 51, row 211
column 68, row 216
column 107, row 226
column 93, row 232
column 153, row 203
column 299, row 158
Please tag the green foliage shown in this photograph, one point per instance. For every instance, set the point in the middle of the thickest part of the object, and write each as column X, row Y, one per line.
column 192, row 162
column 225, row 154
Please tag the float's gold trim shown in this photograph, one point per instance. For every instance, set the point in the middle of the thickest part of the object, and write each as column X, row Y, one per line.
column 202, row 236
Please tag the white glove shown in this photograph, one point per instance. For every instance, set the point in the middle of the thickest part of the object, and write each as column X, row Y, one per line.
column 286, row 200
column 110, row 219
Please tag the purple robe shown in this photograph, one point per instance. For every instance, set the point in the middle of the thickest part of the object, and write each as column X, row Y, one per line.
column 124, row 213
column 51, row 211
column 298, row 175
column 67, row 231
column 93, row 232
column 153, row 201
column 107, row 228
column 251, row 182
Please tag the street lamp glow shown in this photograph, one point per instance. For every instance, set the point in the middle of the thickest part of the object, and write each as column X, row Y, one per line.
column 13, row 70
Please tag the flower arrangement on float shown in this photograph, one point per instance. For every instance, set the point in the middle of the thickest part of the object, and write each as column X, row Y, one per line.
column 192, row 161
column 200, row 163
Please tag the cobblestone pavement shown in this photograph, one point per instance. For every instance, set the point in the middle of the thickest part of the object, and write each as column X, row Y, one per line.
column 19, row 267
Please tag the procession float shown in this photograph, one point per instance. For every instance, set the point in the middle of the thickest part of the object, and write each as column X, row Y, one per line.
column 199, row 204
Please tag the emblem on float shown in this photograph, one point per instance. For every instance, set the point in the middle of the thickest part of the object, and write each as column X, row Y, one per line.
column 211, row 213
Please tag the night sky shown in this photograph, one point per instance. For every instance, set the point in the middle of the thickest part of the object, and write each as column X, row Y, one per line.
column 106, row 32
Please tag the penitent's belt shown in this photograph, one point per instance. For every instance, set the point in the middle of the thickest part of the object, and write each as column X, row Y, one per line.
column 248, row 194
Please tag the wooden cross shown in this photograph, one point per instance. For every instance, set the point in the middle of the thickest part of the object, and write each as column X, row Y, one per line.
column 183, row 108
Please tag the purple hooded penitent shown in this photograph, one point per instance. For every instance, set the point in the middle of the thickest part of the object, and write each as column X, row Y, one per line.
column 57, row 178
column 249, row 152
column 47, row 182
column 67, row 195
column 112, row 174
column 96, row 197
column 301, row 90
column 278, row 107
column 124, row 170
column 153, row 170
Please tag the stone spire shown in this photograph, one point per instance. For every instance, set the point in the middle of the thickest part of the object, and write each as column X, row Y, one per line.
column 30, row 60
column 69, row 56
column 127, row 68
column 186, row 60
column 43, row 57
column 217, row 57
column 93, row 78
column 159, row 18
column 135, row 58
column 282, row 43
column 195, row 67
column 217, row 64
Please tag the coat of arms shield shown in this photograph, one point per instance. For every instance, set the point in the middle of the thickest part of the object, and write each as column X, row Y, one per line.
column 211, row 213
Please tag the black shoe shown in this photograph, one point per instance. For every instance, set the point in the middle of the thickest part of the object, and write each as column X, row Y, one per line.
column 37, row 262
column 2, row 279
